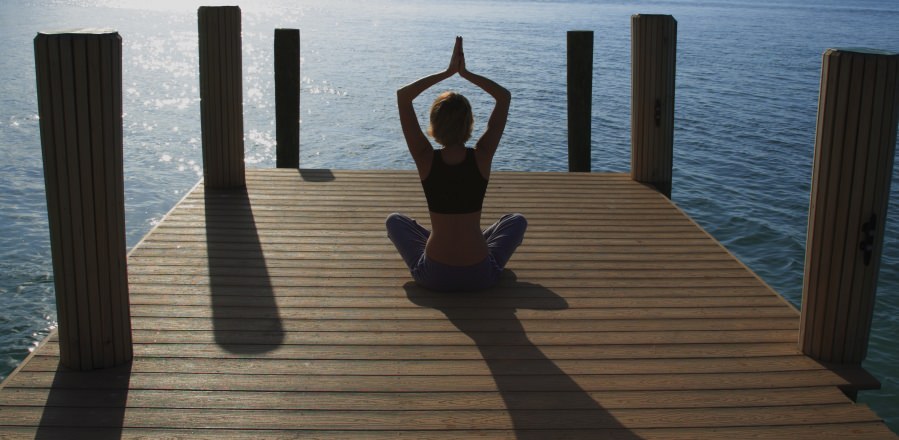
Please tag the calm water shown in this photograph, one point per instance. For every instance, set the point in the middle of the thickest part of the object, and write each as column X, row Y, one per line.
column 747, row 90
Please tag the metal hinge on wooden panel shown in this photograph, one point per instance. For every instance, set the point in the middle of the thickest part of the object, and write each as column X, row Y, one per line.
column 658, row 114
column 866, row 245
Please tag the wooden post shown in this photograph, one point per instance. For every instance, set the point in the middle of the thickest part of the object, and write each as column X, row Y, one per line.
column 79, row 93
column 858, row 110
column 580, row 99
column 287, row 97
column 653, row 49
column 221, row 97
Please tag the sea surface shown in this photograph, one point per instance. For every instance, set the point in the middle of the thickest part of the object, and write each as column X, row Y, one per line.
column 746, row 100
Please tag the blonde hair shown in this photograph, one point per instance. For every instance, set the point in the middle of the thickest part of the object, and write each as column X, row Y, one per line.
column 451, row 119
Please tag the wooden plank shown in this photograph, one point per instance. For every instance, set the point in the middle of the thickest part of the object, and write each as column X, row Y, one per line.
column 887, row 130
column 248, row 336
column 407, row 188
column 466, row 352
column 820, row 230
column 852, row 431
column 549, row 281
column 152, row 263
column 598, row 418
column 500, row 314
column 473, row 367
column 409, row 313
column 609, row 247
column 76, row 222
column 111, row 74
column 234, row 114
column 429, row 325
column 439, row 384
column 102, row 58
column 351, row 401
column 405, row 184
column 852, row 277
column 377, row 235
column 309, row 226
column 393, row 203
column 376, row 240
column 444, row 303
column 53, row 140
column 520, row 291
column 835, row 255
column 90, row 312
column 673, row 276
column 210, row 98
column 610, row 260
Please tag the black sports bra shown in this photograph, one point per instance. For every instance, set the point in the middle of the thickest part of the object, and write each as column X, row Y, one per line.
column 454, row 189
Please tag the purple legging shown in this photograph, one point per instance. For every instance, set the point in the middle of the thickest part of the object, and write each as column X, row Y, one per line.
column 410, row 239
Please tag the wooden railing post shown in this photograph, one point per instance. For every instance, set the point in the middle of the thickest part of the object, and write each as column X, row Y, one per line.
column 580, row 99
column 287, row 97
column 653, row 50
column 79, row 92
column 221, row 96
column 858, row 110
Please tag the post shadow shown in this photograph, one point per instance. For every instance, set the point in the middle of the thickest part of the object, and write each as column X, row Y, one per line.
column 86, row 404
column 542, row 400
column 245, row 316
column 316, row 175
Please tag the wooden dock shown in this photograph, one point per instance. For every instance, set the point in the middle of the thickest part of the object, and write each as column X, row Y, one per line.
column 284, row 311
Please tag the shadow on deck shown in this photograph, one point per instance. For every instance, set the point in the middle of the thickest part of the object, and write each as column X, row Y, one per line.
column 540, row 397
column 238, row 235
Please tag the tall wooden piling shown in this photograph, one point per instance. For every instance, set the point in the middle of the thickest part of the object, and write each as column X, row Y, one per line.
column 580, row 99
column 855, row 142
column 287, row 97
column 79, row 91
column 221, row 96
column 653, row 50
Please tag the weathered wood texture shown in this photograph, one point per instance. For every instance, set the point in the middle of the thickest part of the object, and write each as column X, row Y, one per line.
column 286, row 312
column 855, row 143
column 287, row 97
column 653, row 56
column 221, row 96
column 580, row 99
column 79, row 87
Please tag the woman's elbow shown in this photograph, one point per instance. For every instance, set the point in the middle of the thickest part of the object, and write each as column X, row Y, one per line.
column 504, row 95
column 504, row 99
column 403, row 94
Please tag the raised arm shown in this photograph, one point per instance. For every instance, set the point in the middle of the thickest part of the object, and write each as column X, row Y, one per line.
column 418, row 143
column 489, row 141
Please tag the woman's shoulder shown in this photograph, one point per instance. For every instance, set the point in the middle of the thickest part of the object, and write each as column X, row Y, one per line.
column 484, row 161
column 425, row 161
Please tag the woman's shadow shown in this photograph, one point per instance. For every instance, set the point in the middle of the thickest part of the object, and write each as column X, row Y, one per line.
column 542, row 400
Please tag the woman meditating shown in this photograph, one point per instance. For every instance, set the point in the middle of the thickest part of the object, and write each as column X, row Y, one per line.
column 456, row 255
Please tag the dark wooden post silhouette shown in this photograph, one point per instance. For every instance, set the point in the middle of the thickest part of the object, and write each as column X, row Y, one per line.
column 653, row 49
column 287, row 97
column 79, row 91
column 221, row 97
column 580, row 99
column 855, row 143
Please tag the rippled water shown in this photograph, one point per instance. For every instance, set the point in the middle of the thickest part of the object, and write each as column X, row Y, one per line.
column 746, row 99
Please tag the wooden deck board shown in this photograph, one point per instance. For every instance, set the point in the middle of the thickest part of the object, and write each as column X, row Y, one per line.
column 284, row 311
